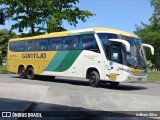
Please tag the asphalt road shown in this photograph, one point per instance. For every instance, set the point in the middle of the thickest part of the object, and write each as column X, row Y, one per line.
column 64, row 94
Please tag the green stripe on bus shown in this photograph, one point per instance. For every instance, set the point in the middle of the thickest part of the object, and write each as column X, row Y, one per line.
column 68, row 61
column 63, row 60
column 56, row 60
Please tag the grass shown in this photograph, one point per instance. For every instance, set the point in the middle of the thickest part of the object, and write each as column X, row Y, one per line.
column 3, row 68
column 154, row 76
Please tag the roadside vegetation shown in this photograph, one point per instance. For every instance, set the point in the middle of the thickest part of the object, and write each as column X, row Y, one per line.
column 150, row 34
column 3, row 68
column 154, row 76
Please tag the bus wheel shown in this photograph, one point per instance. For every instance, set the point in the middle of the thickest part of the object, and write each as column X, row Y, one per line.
column 22, row 72
column 114, row 84
column 94, row 79
column 30, row 73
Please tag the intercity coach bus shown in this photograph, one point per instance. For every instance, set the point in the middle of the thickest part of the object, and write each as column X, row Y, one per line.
column 96, row 54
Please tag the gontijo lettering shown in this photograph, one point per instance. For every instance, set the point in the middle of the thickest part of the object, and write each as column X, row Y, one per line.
column 34, row 55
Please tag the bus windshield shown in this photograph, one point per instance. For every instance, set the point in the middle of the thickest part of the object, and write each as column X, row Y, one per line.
column 136, row 56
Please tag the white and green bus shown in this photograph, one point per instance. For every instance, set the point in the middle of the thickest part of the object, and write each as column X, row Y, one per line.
column 96, row 54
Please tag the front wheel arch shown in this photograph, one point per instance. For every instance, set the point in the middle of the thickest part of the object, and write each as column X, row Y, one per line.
column 89, row 70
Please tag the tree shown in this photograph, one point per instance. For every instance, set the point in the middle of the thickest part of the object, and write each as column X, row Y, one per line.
column 43, row 15
column 150, row 33
column 0, row 58
column 5, row 35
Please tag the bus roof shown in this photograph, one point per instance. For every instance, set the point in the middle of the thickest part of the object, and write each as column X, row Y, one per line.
column 120, row 32
column 77, row 32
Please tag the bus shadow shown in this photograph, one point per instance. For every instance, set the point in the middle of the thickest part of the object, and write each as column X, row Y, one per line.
column 125, row 87
column 102, row 84
column 79, row 82
column 69, row 81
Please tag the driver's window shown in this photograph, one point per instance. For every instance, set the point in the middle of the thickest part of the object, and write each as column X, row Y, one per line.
column 116, row 54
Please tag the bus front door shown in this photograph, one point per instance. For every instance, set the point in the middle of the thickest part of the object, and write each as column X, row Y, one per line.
column 115, row 63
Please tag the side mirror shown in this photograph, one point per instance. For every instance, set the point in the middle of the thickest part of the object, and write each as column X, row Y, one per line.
column 150, row 46
column 128, row 47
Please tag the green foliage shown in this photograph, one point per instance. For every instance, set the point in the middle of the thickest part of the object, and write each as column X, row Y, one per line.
column 3, row 68
column 0, row 57
column 150, row 34
column 5, row 35
column 154, row 76
column 43, row 15
column 30, row 34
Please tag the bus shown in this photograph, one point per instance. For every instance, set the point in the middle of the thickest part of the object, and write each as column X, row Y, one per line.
column 96, row 54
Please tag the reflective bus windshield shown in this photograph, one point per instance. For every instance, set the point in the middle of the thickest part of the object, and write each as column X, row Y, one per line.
column 134, row 58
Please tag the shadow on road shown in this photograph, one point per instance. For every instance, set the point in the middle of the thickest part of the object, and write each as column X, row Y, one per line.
column 79, row 82
column 55, row 111
column 125, row 87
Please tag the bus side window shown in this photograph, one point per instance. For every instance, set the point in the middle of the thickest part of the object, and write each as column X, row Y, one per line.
column 12, row 46
column 42, row 45
column 70, row 43
column 66, row 45
column 30, row 45
column 55, row 44
column 88, row 42
column 19, row 46
column 51, row 44
column 104, row 40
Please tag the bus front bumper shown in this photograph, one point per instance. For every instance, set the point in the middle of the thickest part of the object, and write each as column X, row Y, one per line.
column 135, row 78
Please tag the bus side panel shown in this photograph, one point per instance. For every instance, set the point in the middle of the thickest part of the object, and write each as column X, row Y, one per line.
column 34, row 59
column 11, row 66
column 27, row 63
column 61, row 63
column 21, row 59
column 77, row 68
column 56, row 66
column 93, row 60
column 11, row 62
column 42, row 63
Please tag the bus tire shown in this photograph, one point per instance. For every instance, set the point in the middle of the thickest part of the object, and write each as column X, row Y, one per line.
column 94, row 79
column 114, row 84
column 22, row 72
column 30, row 73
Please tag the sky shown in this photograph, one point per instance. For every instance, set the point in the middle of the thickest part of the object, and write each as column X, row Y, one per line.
column 117, row 14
